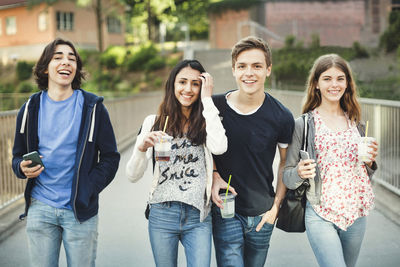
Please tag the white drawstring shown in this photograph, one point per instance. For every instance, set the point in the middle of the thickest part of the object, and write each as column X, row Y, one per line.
column 92, row 124
column 22, row 130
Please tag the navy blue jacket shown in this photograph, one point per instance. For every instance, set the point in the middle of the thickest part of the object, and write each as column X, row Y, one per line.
column 97, row 157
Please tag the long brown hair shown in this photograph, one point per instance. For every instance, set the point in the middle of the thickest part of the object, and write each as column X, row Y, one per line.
column 171, row 107
column 348, row 102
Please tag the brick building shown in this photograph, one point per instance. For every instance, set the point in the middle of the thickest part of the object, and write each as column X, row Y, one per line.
column 337, row 22
column 24, row 31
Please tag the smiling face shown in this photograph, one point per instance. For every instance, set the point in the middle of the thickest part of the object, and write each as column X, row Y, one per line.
column 187, row 88
column 332, row 84
column 250, row 71
column 62, row 68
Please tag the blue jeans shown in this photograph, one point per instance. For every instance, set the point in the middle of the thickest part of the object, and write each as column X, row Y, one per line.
column 171, row 222
column 331, row 245
column 47, row 227
column 236, row 241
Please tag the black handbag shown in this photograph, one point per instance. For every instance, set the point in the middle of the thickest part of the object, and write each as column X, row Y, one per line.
column 293, row 207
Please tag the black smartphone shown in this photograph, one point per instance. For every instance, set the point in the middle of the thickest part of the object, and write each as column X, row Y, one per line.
column 34, row 157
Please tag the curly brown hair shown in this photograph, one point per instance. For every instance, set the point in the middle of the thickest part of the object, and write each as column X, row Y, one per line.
column 171, row 107
column 40, row 69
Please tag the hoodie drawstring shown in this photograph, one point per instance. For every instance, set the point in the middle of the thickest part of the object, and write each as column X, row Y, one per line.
column 92, row 124
column 22, row 130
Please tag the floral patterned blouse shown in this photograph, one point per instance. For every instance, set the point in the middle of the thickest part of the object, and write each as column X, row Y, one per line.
column 346, row 188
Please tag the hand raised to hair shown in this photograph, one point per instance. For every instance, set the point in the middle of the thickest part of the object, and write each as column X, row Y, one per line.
column 207, row 85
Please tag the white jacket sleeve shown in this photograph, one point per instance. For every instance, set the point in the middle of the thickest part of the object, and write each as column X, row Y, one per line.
column 216, row 140
column 138, row 161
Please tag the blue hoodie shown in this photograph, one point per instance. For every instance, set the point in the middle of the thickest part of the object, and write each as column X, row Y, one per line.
column 97, row 156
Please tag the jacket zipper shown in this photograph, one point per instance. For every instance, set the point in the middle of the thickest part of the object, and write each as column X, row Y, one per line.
column 79, row 167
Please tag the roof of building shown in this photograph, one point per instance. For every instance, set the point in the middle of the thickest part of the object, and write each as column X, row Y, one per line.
column 11, row 3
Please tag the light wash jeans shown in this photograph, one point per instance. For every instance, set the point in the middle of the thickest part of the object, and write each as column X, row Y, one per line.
column 332, row 246
column 171, row 222
column 47, row 227
column 236, row 241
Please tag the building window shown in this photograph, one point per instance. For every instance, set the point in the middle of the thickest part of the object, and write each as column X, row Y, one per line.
column 43, row 21
column 65, row 21
column 11, row 25
column 376, row 22
column 113, row 25
column 395, row 5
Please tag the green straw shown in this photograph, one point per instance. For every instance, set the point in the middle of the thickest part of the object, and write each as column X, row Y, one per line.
column 226, row 193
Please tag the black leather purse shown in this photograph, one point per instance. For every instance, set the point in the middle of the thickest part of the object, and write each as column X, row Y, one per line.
column 293, row 207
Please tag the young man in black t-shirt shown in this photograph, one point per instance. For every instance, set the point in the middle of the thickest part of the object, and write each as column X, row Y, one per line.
column 255, row 124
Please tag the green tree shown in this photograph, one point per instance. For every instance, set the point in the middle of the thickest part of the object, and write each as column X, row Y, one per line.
column 390, row 39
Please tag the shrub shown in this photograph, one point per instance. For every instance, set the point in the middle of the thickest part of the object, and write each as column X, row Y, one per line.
column 155, row 63
column 359, row 51
column 109, row 61
column 290, row 40
column 390, row 39
column 24, row 70
column 141, row 57
column 315, row 41
column 26, row 87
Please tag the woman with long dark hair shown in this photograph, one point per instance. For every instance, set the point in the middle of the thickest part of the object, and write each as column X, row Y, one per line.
column 180, row 195
column 340, row 194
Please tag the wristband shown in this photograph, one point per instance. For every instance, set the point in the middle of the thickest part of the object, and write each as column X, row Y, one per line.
column 215, row 171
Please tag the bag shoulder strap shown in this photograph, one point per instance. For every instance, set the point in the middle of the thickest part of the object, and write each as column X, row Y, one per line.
column 304, row 143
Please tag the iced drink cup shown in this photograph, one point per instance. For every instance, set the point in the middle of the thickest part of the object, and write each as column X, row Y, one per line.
column 364, row 149
column 229, row 205
column 162, row 148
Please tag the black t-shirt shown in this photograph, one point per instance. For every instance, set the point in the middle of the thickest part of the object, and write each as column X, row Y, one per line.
column 252, row 141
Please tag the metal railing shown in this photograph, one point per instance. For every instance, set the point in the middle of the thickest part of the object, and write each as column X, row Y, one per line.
column 126, row 115
column 384, row 125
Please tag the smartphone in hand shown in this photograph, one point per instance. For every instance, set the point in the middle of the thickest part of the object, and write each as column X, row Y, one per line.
column 34, row 157
column 304, row 155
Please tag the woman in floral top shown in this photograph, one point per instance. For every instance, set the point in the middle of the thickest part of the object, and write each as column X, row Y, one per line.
column 340, row 193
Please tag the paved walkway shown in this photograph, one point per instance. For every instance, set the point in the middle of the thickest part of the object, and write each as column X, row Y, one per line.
column 123, row 238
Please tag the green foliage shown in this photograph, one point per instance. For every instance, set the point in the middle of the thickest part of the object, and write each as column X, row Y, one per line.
column 108, row 60
column 24, row 70
column 155, row 63
column 86, row 55
column 398, row 57
column 26, row 87
column 390, row 39
column 222, row 6
column 385, row 88
column 105, row 81
column 137, row 61
column 7, row 88
column 290, row 41
column 315, row 41
column 292, row 64
column 360, row 51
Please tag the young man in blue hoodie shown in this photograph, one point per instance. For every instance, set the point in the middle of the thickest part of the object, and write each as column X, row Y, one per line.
column 71, row 130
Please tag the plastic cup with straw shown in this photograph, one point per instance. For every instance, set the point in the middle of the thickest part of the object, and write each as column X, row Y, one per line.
column 163, row 146
column 228, row 210
column 363, row 147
